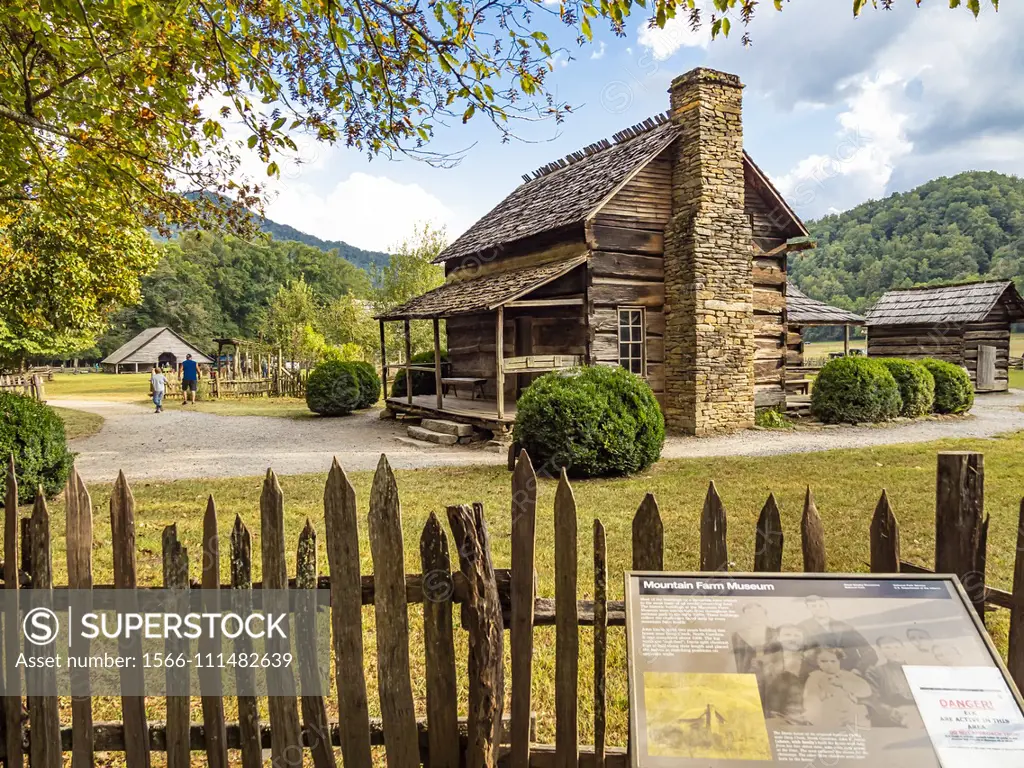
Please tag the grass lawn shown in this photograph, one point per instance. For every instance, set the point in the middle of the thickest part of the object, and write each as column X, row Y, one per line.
column 846, row 485
column 134, row 388
column 822, row 349
column 79, row 423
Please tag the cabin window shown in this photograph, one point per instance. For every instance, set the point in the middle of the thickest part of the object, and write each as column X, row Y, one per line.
column 632, row 342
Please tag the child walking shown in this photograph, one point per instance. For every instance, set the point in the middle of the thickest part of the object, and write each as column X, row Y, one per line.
column 158, row 385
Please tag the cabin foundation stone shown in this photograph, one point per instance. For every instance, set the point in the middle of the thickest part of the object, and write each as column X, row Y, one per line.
column 709, row 315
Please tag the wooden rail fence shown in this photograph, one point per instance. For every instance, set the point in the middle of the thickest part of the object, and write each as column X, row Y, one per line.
column 30, row 385
column 491, row 600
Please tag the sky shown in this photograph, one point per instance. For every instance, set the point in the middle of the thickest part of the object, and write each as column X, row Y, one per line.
column 836, row 111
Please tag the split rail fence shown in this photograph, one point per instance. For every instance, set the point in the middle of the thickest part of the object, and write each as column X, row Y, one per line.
column 491, row 601
column 22, row 384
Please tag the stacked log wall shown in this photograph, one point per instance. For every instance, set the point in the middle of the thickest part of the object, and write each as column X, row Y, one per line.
column 627, row 267
column 771, row 340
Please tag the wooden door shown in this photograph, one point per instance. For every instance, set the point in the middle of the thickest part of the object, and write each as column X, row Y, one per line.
column 986, row 377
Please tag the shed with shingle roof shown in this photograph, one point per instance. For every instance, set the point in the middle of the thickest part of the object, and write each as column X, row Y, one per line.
column 966, row 323
column 153, row 346
column 803, row 311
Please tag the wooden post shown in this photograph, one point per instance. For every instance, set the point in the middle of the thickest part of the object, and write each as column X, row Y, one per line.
column 524, row 522
column 210, row 684
column 408, row 363
column 567, row 631
column 78, row 519
column 12, row 627
column 885, row 538
column 769, row 536
column 437, row 362
column 1015, row 654
column 499, row 363
column 648, row 536
column 960, row 520
column 714, row 555
column 383, row 361
column 43, row 714
column 342, row 528
column 175, row 567
column 846, row 340
column 248, row 706
column 812, row 536
column 600, row 641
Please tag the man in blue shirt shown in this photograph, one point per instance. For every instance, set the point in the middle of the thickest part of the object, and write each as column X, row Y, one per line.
column 189, row 379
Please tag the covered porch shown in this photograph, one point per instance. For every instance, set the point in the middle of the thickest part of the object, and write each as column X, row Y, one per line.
column 502, row 330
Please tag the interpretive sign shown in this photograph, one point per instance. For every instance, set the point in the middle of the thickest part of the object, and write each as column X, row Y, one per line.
column 732, row 670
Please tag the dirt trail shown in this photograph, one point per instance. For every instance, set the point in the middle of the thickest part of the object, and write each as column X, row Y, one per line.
column 186, row 444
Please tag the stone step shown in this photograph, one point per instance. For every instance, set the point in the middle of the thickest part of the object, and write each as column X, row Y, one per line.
column 447, row 427
column 441, row 438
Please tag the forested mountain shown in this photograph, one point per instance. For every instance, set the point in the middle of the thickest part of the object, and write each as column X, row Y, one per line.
column 956, row 228
column 208, row 285
column 350, row 253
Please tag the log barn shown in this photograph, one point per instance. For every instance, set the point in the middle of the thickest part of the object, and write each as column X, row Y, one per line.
column 662, row 250
column 967, row 324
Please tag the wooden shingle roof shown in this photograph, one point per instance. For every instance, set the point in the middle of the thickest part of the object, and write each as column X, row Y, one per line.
column 565, row 192
column 801, row 309
column 147, row 345
column 481, row 294
column 964, row 303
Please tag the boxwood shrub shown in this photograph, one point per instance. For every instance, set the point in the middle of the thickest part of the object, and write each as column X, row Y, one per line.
column 34, row 434
column 334, row 389
column 594, row 421
column 953, row 390
column 369, row 383
column 422, row 381
column 855, row 390
column 916, row 383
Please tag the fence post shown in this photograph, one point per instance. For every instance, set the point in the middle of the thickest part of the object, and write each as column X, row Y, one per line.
column 78, row 518
column 250, row 743
column 885, row 538
column 401, row 742
column 175, row 567
column 342, row 527
column 12, row 627
column 486, row 629
column 648, row 537
column 43, row 715
column 1015, row 654
column 522, row 591
column 210, row 685
column 439, row 647
column 314, row 710
column 600, row 640
column 133, row 708
column 960, row 521
column 567, row 629
column 285, row 732
column 714, row 553
column 769, row 538
column 812, row 536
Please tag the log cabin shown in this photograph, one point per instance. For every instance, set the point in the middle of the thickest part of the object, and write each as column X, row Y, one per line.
column 662, row 250
column 804, row 312
column 967, row 324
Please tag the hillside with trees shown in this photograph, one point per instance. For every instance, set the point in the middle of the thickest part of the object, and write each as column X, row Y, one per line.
column 957, row 228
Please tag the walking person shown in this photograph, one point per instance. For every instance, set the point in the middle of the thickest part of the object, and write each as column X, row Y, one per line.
column 158, row 386
column 189, row 379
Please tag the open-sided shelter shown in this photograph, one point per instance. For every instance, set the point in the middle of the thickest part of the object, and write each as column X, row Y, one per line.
column 967, row 324
column 153, row 346
column 804, row 312
column 662, row 250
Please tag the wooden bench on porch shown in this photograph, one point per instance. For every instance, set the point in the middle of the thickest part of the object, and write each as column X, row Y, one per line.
column 475, row 385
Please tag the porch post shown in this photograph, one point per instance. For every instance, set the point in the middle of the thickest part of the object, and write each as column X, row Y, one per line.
column 499, row 363
column 846, row 340
column 383, row 361
column 220, row 348
column 437, row 363
column 408, row 363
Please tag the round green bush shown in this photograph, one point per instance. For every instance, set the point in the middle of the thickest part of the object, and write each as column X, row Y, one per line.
column 594, row 421
column 953, row 390
column 34, row 434
column 916, row 383
column 333, row 389
column 369, row 383
column 422, row 381
column 855, row 390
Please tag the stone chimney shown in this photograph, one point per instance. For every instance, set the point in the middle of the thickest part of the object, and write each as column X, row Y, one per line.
column 709, row 317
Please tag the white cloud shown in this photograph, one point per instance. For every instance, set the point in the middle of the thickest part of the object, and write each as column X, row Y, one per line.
column 676, row 34
column 599, row 51
column 916, row 110
column 372, row 212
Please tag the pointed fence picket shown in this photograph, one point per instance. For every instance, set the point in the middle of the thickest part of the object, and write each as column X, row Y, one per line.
column 490, row 600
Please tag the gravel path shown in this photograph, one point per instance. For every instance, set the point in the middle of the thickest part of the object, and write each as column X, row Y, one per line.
column 181, row 443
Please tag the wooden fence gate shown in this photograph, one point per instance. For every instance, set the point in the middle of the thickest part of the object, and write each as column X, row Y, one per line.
column 491, row 601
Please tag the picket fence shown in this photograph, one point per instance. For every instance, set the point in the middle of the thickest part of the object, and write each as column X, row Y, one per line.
column 491, row 600
column 29, row 385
